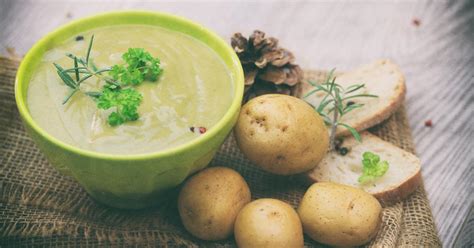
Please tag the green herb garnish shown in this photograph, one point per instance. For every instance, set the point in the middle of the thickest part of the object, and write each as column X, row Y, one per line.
column 125, row 101
column 117, row 92
column 338, row 101
column 373, row 167
column 140, row 66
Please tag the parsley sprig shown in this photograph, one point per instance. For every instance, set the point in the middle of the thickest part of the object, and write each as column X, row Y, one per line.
column 125, row 101
column 372, row 167
column 118, row 92
column 338, row 102
column 141, row 65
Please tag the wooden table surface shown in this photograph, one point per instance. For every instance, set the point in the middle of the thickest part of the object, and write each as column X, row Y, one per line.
column 437, row 57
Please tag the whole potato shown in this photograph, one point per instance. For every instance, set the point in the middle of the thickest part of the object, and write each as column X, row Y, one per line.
column 281, row 134
column 339, row 215
column 210, row 201
column 268, row 223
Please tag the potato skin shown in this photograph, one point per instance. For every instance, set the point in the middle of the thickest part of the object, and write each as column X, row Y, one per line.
column 339, row 215
column 210, row 201
column 268, row 223
column 281, row 134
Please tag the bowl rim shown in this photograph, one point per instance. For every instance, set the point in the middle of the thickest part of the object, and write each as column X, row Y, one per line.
column 27, row 61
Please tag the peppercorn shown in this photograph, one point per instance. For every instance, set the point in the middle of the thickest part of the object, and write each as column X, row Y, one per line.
column 349, row 103
column 79, row 38
column 343, row 151
column 428, row 123
column 416, row 22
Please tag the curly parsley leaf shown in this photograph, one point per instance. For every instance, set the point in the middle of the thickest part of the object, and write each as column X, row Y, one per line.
column 140, row 65
column 373, row 167
column 125, row 103
column 124, row 76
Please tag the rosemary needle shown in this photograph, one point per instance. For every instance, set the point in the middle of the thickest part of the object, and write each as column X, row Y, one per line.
column 333, row 103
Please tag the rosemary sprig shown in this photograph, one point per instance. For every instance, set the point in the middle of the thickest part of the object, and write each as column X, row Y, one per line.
column 335, row 102
column 81, row 73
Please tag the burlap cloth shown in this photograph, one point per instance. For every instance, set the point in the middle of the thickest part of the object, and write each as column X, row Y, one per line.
column 39, row 206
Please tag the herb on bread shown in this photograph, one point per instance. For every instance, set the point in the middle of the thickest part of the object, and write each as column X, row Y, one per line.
column 402, row 178
column 337, row 101
column 372, row 167
column 117, row 92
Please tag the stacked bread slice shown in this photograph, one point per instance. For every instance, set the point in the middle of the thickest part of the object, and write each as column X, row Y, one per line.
column 400, row 180
column 384, row 79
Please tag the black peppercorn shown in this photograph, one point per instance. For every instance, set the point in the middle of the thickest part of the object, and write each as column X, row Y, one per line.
column 79, row 38
column 349, row 103
column 343, row 151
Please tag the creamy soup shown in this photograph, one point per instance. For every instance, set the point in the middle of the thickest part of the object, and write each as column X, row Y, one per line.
column 194, row 90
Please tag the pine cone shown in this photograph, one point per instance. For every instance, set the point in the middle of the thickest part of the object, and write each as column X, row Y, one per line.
column 267, row 67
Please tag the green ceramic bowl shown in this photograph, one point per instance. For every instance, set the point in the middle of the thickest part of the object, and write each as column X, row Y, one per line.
column 130, row 181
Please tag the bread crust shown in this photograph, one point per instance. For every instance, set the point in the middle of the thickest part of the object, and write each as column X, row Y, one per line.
column 401, row 192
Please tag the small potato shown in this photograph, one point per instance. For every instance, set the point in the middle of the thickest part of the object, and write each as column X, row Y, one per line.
column 210, row 201
column 281, row 134
column 339, row 215
column 268, row 223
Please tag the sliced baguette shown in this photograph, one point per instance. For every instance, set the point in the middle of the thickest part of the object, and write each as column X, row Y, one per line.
column 402, row 178
column 382, row 78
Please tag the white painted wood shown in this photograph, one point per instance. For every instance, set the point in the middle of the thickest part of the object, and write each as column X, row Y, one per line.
column 437, row 58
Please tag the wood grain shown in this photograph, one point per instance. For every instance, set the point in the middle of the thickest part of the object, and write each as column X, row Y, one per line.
column 437, row 58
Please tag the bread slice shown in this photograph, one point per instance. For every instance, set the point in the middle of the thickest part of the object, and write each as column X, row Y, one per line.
column 401, row 179
column 382, row 78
